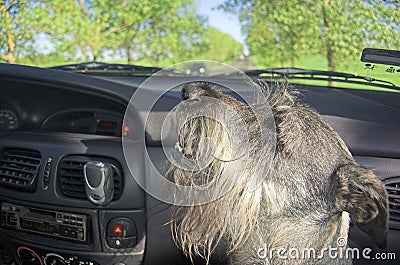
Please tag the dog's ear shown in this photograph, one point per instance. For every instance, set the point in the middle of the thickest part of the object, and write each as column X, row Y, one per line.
column 359, row 192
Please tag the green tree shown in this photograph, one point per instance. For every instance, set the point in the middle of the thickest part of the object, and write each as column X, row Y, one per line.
column 221, row 46
column 16, row 35
column 138, row 15
column 277, row 32
column 336, row 28
column 162, row 30
column 176, row 35
column 81, row 28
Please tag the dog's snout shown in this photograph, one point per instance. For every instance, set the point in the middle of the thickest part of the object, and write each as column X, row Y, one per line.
column 191, row 91
column 185, row 93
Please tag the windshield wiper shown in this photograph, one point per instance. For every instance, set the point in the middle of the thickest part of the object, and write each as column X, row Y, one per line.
column 330, row 76
column 100, row 68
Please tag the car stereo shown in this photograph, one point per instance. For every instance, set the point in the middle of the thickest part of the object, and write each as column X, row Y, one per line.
column 62, row 225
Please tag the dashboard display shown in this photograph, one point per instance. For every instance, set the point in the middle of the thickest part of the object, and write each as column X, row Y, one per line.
column 107, row 125
column 89, row 121
column 44, row 227
column 8, row 120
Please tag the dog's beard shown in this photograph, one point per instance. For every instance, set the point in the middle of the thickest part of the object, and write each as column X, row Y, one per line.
column 199, row 228
column 205, row 143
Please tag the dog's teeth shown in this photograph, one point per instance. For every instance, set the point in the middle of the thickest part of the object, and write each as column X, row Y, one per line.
column 178, row 147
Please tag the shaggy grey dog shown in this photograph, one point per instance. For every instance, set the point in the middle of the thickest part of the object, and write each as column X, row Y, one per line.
column 303, row 206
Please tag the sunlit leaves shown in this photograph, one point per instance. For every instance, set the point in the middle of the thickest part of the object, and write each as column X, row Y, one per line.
column 16, row 35
column 131, row 29
column 280, row 32
column 220, row 47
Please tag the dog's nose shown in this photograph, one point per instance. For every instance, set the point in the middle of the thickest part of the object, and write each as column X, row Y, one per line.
column 191, row 92
column 185, row 93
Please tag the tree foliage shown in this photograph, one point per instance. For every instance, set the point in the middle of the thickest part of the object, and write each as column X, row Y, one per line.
column 16, row 35
column 220, row 46
column 177, row 34
column 278, row 33
column 133, row 28
column 284, row 31
column 84, row 29
column 160, row 32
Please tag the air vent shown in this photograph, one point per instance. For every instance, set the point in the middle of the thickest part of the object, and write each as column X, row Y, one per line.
column 19, row 168
column 70, row 176
column 393, row 190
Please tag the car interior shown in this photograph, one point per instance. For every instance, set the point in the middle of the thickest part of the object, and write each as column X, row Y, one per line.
column 54, row 123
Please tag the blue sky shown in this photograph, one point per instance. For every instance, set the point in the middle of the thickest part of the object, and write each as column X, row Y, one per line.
column 227, row 23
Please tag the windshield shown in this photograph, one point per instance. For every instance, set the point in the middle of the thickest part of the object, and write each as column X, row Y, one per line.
column 323, row 35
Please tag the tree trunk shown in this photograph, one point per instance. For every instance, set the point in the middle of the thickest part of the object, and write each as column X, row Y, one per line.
column 328, row 41
column 330, row 56
column 11, row 46
column 11, row 58
column 97, row 46
column 128, row 54
column 84, row 53
column 11, row 40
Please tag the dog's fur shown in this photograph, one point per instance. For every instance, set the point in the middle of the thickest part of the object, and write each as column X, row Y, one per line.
column 305, row 200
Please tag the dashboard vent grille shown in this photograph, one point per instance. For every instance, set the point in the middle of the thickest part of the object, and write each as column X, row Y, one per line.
column 71, row 179
column 19, row 168
column 393, row 190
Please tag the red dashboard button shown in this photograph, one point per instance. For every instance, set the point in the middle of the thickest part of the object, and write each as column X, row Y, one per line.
column 118, row 230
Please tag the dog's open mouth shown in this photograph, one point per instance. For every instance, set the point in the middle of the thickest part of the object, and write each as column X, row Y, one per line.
column 181, row 149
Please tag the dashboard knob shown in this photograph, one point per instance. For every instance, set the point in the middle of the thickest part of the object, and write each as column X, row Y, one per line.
column 27, row 256
column 54, row 259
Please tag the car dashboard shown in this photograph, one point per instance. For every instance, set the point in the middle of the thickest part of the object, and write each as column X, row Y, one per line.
column 53, row 123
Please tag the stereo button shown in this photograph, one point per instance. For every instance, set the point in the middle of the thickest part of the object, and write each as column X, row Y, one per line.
column 11, row 219
column 79, row 235
column 3, row 217
column 73, row 234
column 121, row 242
